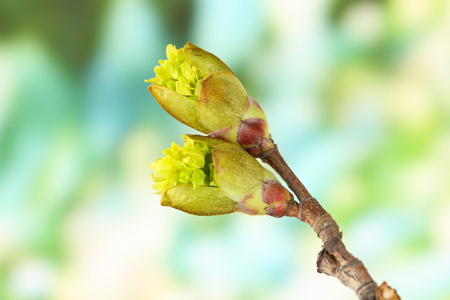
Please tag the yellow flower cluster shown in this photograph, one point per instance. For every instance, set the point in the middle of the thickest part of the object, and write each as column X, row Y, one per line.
column 178, row 74
column 191, row 164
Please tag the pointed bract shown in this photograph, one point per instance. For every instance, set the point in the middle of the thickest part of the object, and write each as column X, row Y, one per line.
column 222, row 101
column 253, row 110
column 206, row 62
column 201, row 201
column 236, row 172
column 181, row 108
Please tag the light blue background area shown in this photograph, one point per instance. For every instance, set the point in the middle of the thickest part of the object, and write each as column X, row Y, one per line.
column 357, row 98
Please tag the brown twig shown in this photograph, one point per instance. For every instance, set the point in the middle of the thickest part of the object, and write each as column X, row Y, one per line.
column 334, row 259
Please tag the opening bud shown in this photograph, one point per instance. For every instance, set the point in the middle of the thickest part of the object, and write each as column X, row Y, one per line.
column 199, row 90
column 209, row 176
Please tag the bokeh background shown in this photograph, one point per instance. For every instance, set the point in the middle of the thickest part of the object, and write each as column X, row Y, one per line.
column 357, row 94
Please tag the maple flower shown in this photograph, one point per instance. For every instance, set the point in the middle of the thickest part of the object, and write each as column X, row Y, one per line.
column 208, row 176
column 199, row 90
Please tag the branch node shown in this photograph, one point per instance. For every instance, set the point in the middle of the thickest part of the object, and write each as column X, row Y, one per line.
column 323, row 224
column 327, row 264
column 367, row 291
column 351, row 264
column 267, row 153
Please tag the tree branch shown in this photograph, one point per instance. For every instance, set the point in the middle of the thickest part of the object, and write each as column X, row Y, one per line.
column 334, row 259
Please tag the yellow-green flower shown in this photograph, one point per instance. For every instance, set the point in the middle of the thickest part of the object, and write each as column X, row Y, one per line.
column 209, row 176
column 178, row 74
column 199, row 90
column 191, row 165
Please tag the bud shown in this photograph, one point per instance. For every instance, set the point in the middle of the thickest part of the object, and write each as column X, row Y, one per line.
column 199, row 90
column 209, row 176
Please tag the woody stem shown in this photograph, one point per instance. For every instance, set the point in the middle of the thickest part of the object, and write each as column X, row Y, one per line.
column 334, row 259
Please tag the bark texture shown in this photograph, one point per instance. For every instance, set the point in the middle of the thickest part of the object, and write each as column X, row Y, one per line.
column 333, row 259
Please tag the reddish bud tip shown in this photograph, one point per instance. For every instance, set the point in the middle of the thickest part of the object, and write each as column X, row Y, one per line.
column 277, row 197
column 251, row 131
column 253, row 136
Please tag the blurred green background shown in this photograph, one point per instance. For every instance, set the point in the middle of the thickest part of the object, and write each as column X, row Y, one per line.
column 357, row 94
